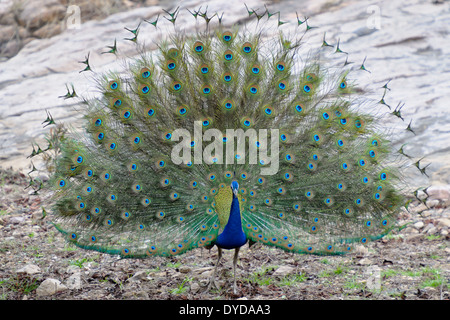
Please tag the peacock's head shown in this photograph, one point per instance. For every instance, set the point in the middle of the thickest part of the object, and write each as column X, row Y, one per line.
column 235, row 187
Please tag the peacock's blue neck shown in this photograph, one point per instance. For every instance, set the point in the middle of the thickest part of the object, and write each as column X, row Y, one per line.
column 232, row 235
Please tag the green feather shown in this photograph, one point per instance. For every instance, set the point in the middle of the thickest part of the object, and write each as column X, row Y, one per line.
column 338, row 183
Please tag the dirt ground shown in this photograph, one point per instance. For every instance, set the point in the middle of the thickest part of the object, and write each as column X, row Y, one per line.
column 410, row 264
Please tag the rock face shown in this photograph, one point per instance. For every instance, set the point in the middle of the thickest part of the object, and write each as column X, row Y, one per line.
column 22, row 21
column 403, row 42
column 35, row 14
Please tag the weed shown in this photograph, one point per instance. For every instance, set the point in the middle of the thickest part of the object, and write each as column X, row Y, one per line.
column 354, row 283
column 157, row 269
column 173, row 265
column 339, row 270
column 19, row 284
column 181, row 287
column 70, row 247
column 389, row 273
column 435, row 278
column 291, row 280
column 50, row 237
column 261, row 277
column 79, row 263
column 324, row 274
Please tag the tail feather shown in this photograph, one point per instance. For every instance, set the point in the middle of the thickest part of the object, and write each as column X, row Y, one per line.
column 120, row 190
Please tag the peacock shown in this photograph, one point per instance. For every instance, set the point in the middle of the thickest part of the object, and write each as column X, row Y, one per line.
column 226, row 137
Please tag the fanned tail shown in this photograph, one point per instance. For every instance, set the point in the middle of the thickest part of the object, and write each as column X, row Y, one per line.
column 151, row 174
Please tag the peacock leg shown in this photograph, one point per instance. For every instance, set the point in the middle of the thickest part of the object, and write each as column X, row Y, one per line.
column 213, row 276
column 236, row 253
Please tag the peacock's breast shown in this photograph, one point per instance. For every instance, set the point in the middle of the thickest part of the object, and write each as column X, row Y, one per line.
column 223, row 201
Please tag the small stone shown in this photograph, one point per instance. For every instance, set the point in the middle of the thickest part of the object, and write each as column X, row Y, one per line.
column 74, row 281
column 29, row 269
column 185, row 269
column 195, row 287
column 283, row 271
column 444, row 233
column 138, row 276
column 36, row 216
column 428, row 227
column 365, row 262
column 433, row 203
column 204, row 272
column 418, row 225
column 427, row 213
column 439, row 192
column 444, row 222
column 136, row 295
column 49, row 287
column 361, row 250
column 432, row 230
column 420, row 208
column 411, row 230
column 16, row 220
column 414, row 237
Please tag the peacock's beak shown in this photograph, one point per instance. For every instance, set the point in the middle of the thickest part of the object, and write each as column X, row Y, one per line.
column 234, row 188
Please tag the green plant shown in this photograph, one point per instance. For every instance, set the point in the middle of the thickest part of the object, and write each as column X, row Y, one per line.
column 173, row 265
column 354, row 283
column 79, row 263
column 118, row 283
column 388, row 273
column 19, row 284
column 432, row 237
column 106, row 279
column 260, row 277
column 181, row 287
column 291, row 280
column 339, row 270
column 50, row 237
column 157, row 269
column 435, row 278
column 70, row 247
column 324, row 274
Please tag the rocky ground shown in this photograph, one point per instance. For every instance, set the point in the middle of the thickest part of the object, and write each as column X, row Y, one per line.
column 36, row 263
column 22, row 21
